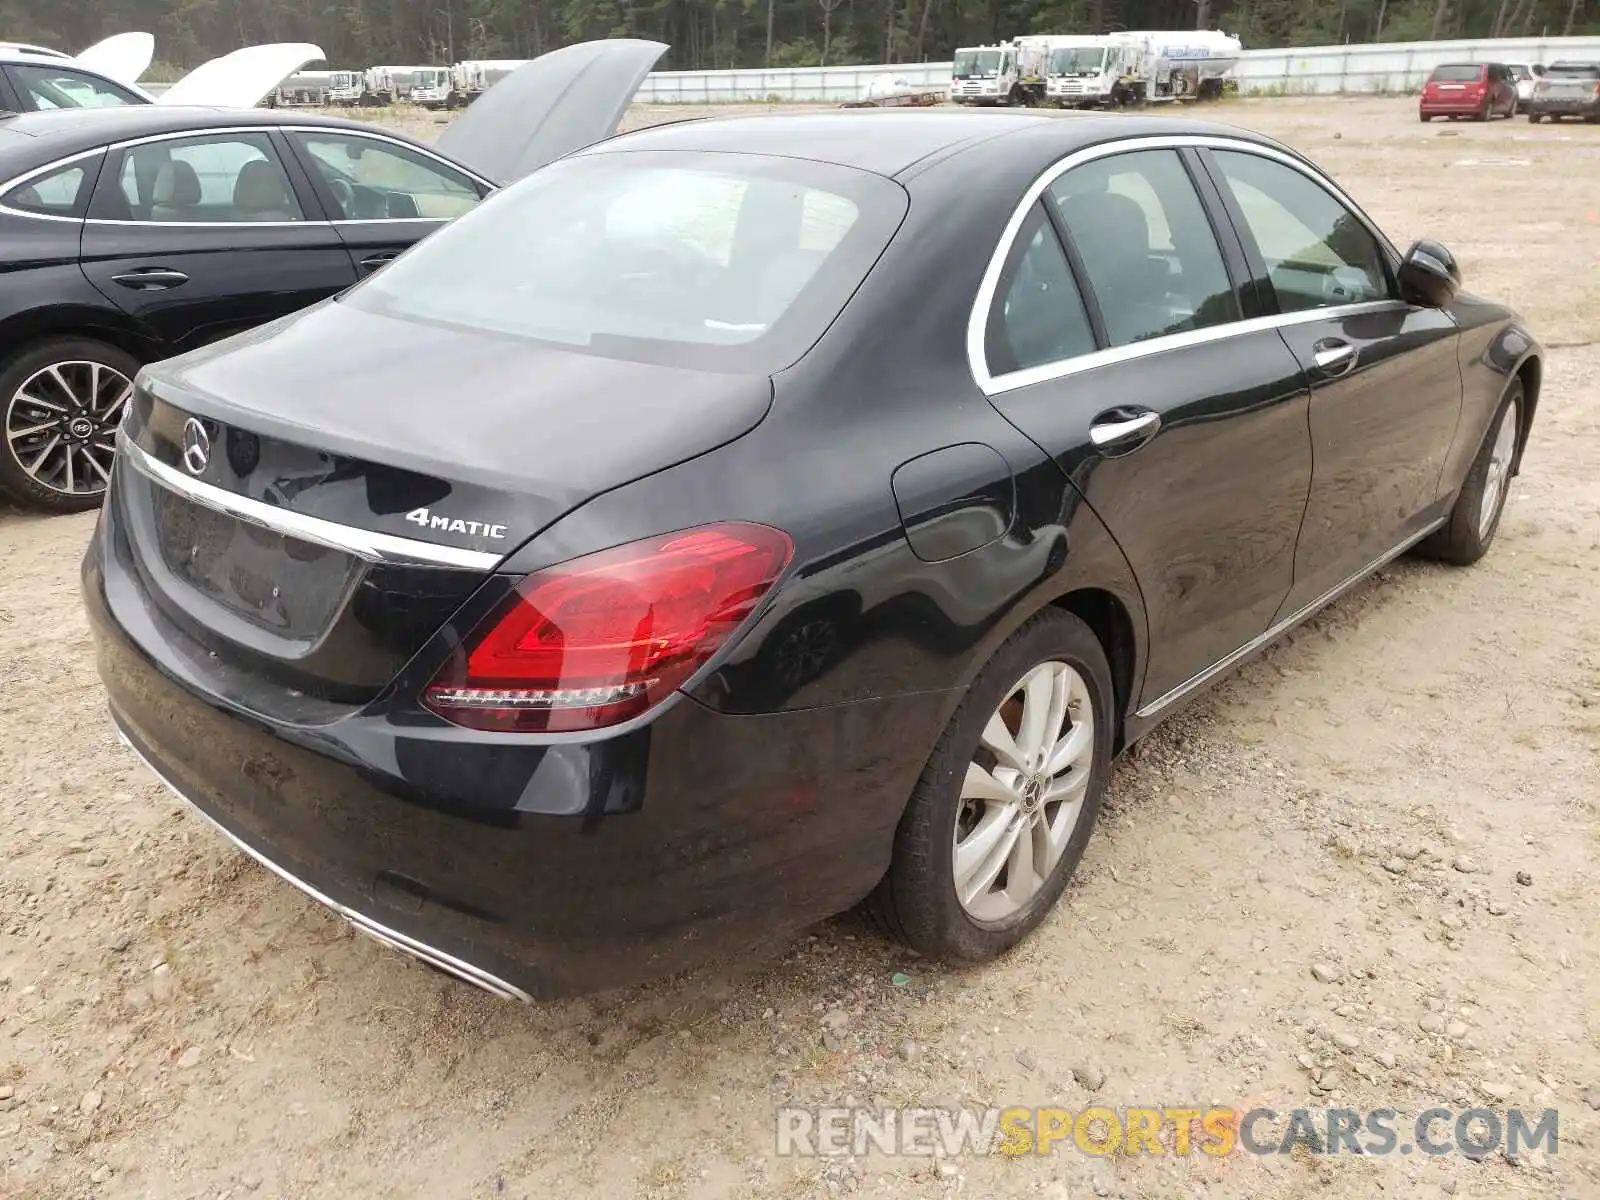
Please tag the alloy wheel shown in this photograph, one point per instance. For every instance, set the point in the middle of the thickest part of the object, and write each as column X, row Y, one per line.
column 1498, row 473
column 61, row 425
column 1023, row 792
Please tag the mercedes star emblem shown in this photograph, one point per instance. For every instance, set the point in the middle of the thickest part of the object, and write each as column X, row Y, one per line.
column 196, row 446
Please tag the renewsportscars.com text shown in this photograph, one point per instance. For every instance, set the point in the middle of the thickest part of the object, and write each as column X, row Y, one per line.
column 1177, row 1130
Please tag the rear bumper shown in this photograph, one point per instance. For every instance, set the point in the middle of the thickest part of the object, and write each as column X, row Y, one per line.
column 1577, row 107
column 1452, row 108
column 697, row 837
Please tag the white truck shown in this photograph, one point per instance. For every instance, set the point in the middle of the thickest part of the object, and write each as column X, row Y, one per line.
column 1095, row 71
column 431, row 88
column 346, row 87
column 1202, row 60
column 985, row 75
column 472, row 78
column 303, row 89
column 385, row 85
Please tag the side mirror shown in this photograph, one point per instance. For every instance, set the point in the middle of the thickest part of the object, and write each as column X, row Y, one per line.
column 1429, row 274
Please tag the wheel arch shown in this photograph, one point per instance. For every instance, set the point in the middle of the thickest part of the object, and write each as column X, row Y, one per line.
column 1531, row 373
column 1112, row 625
column 24, row 330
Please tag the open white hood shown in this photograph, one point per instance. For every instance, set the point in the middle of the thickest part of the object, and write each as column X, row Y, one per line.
column 241, row 79
column 123, row 57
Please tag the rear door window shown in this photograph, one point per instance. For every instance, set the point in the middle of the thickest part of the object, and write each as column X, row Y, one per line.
column 1147, row 245
column 231, row 177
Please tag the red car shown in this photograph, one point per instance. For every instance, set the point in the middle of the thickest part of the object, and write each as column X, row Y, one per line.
column 1476, row 90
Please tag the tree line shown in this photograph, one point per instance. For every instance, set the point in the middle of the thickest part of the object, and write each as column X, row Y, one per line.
column 713, row 34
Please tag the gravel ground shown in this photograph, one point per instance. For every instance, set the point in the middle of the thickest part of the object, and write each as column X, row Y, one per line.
column 1359, row 873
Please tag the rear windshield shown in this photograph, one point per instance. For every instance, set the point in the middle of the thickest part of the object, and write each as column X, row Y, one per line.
column 727, row 262
column 1575, row 70
column 1460, row 73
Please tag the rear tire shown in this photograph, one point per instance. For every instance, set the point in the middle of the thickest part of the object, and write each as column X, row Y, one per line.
column 976, row 823
column 1534, row 118
column 1466, row 535
column 61, row 402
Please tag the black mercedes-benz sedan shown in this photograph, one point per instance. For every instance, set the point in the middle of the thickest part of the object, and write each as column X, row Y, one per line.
column 136, row 232
column 742, row 519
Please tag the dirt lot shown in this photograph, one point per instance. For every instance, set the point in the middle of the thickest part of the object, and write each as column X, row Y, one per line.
column 1361, row 873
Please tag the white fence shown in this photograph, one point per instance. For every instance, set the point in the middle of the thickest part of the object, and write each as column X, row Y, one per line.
column 1392, row 67
column 1308, row 70
column 1385, row 67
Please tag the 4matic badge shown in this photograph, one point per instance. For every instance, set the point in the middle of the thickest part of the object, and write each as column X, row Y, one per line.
column 428, row 520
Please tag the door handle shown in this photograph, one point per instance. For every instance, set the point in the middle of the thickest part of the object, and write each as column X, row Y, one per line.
column 151, row 279
column 1333, row 357
column 373, row 261
column 1124, row 429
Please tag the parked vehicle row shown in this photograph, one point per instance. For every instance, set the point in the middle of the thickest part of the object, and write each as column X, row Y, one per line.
column 574, row 675
column 1481, row 91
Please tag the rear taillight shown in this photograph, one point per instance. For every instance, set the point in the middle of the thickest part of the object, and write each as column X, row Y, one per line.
column 603, row 638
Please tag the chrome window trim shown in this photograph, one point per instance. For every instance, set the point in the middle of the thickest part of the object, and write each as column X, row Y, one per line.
column 977, row 321
column 364, row 544
column 126, row 143
column 1163, row 702
column 59, row 164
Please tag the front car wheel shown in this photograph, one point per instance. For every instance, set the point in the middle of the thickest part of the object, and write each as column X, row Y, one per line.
column 1467, row 533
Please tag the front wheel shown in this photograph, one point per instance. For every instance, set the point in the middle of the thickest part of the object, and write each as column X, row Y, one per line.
column 1534, row 118
column 63, row 401
column 1467, row 533
column 1005, row 806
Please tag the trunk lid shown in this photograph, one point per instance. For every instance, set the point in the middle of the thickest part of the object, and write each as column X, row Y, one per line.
column 552, row 106
column 313, row 501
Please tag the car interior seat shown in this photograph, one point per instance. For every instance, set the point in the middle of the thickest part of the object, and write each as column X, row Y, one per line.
column 1132, row 285
column 262, row 194
column 176, row 194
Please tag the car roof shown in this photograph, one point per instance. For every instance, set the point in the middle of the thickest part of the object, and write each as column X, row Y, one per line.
column 893, row 141
column 66, row 131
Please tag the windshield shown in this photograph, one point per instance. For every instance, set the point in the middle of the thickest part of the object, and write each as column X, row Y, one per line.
column 727, row 262
column 429, row 79
column 343, row 79
column 1463, row 73
column 982, row 64
column 1078, row 60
